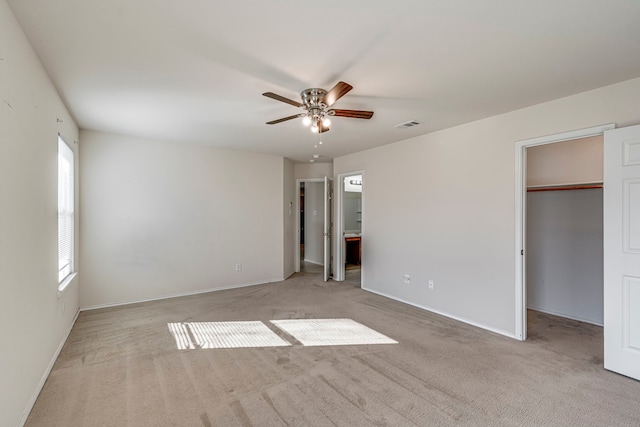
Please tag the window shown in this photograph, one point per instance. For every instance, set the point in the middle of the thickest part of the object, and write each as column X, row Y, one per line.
column 65, row 211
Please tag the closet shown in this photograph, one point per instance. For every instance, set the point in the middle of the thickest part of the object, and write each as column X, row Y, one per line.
column 564, row 229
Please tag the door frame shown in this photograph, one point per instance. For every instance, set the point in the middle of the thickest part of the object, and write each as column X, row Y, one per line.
column 521, row 210
column 338, row 191
column 327, row 229
column 296, row 257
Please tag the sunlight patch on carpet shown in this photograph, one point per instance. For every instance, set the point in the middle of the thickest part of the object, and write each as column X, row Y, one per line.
column 316, row 332
column 208, row 335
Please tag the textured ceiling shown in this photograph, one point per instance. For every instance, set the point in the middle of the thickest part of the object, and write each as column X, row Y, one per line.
column 194, row 71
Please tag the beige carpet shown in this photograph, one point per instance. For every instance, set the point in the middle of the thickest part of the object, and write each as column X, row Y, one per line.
column 121, row 367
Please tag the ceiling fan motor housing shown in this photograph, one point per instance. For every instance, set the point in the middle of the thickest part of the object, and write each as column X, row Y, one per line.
column 313, row 98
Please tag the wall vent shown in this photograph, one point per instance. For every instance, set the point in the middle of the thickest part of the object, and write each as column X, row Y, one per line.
column 408, row 124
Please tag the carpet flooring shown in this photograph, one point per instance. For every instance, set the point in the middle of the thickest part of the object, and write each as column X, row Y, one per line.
column 121, row 367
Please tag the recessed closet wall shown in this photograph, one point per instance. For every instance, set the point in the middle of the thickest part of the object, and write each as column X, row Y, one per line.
column 564, row 229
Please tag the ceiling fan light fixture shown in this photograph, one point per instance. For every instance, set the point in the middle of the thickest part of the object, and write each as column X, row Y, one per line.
column 316, row 104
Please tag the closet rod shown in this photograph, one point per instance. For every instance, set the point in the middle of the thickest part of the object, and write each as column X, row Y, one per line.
column 565, row 187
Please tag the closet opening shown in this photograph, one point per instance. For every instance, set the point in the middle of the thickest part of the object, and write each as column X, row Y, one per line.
column 564, row 230
column 559, row 227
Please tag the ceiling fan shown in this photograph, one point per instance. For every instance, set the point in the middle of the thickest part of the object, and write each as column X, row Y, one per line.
column 316, row 103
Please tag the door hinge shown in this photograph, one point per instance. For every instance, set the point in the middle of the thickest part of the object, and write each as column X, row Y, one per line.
column 521, row 251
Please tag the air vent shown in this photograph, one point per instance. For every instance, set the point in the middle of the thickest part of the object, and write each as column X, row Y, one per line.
column 408, row 124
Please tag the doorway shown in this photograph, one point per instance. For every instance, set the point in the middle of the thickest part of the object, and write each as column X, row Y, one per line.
column 523, row 244
column 313, row 225
column 621, row 242
column 349, row 227
column 564, row 229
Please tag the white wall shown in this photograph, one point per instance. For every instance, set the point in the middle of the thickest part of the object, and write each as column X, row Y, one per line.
column 577, row 161
column 313, row 170
column 564, row 254
column 314, row 222
column 454, row 219
column 35, row 320
column 162, row 219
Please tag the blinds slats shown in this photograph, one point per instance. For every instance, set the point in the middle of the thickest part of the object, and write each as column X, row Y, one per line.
column 65, row 210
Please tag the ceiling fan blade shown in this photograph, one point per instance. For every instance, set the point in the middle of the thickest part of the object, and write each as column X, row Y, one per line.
column 354, row 114
column 282, row 99
column 337, row 92
column 284, row 119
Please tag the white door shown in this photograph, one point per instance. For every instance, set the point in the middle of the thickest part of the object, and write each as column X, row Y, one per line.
column 622, row 251
column 327, row 228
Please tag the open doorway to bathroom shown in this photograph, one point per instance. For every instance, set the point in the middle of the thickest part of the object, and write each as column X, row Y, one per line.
column 349, row 220
column 353, row 227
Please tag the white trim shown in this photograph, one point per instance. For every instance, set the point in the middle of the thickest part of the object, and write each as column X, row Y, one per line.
column 65, row 283
column 327, row 228
column 314, row 262
column 338, row 223
column 566, row 136
column 520, row 321
column 47, row 371
column 441, row 313
column 182, row 294
column 520, row 213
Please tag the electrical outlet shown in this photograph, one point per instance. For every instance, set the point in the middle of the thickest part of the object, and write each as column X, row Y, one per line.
column 431, row 284
column 407, row 278
column 238, row 267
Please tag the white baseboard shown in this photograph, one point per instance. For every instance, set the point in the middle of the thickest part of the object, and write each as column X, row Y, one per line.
column 566, row 316
column 441, row 313
column 47, row 371
column 313, row 262
column 182, row 294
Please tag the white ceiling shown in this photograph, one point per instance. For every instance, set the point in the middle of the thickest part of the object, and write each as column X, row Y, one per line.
column 194, row 70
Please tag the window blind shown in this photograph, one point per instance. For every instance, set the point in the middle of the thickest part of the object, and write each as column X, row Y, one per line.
column 65, row 210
